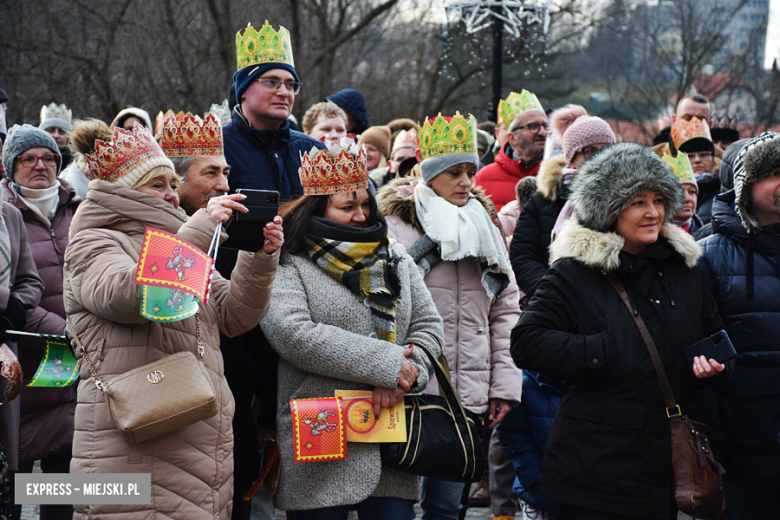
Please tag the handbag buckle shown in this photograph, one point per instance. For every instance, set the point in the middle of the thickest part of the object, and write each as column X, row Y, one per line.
column 679, row 412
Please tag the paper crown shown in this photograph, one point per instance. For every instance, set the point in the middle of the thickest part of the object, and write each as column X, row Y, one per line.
column 681, row 167
column 407, row 139
column 724, row 122
column 126, row 151
column 683, row 131
column 447, row 135
column 221, row 112
column 55, row 111
column 187, row 135
column 337, row 170
column 516, row 104
column 3, row 127
column 265, row 46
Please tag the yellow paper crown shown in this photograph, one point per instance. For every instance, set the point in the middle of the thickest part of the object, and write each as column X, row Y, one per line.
column 516, row 104
column 328, row 172
column 448, row 135
column 187, row 135
column 264, row 46
column 683, row 131
column 681, row 167
column 127, row 150
column 55, row 111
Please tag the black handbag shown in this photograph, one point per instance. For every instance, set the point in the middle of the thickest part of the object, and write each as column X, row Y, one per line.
column 443, row 439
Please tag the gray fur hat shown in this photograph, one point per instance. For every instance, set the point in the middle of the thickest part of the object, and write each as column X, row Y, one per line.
column 758, row 158
column 22, row 138
column 607, row 182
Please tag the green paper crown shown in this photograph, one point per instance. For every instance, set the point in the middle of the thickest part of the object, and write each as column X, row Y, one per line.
column 448, row 135
column 265, row 46
column 515, row 105
column 681, row 167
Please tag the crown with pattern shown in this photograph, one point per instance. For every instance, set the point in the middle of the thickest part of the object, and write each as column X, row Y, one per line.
column 724, row 122
column 516, row 104
column 335, row 170
column 681, row 167
column 447, row 135
column 407, row 139
column 683, row 131
column 264, row 46
column 126, row 151
column 187, row 135
column 221, row 112
column 55, row 111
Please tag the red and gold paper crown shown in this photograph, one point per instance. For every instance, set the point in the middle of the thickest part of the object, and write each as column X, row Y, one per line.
column 130, row 153
column 683, row 131
column 724, row 122
column 187, row 135
column 328, row 172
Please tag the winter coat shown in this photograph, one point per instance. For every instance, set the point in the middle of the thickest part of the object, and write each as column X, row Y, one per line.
column 191, row 468
column 26, row 285
column 609, row 447
column 708, row 188
column 76, row 179
column 326, row 339
column 529, row 249
column 749, row 404
column 476, row 329
column 499, row 179
column 46, row 413
column 264, row 159
column 523, row 436
column 508, row 217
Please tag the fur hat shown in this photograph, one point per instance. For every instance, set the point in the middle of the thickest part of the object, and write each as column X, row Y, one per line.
column 608, row 181
column 757, row 159
column 379, row 136
column 525, row 188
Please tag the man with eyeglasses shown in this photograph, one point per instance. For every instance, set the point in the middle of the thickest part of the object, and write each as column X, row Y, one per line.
column 262, row 150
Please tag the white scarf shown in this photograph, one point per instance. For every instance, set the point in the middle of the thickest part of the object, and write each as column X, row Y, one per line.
column 43, row 203
column 460, row 231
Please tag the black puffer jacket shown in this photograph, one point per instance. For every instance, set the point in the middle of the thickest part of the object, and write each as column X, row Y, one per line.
column 610, row 447
column 708, row 188
column 749, row 404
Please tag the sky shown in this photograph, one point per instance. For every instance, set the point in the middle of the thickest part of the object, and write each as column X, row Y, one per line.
column 772, row 34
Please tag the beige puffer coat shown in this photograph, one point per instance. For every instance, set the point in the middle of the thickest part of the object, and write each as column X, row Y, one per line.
column 192, row 468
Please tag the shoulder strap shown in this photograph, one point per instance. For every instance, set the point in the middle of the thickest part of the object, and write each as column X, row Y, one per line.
column 72, row 333
column 666, row 388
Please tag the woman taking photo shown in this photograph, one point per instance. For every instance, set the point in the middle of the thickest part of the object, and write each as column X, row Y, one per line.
column 348, row 306
column 444, row 223
column 191, row 468
column 609, row 454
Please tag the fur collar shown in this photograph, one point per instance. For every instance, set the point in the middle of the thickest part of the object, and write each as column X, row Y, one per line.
column 602, row 250
column 549, row 178
column 390, row 203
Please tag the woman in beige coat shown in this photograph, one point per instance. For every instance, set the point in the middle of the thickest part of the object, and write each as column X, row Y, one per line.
column 191, row 468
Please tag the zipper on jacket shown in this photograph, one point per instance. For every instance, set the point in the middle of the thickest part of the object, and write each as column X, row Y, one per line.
column 56, row 248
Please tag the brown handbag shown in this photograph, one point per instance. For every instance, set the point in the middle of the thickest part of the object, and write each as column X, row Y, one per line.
column 697, row 477
column 157, row 398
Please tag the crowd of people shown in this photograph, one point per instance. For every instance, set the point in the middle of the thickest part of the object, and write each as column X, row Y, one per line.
column 496, row 248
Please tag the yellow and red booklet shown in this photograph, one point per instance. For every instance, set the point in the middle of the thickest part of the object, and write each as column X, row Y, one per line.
column 364, row 426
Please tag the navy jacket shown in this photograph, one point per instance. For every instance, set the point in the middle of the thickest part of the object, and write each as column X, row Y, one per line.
column 749, row 404
column 523, row 435
column 264, row 159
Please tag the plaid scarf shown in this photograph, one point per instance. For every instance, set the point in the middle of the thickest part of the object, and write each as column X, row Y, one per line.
column 365, row 268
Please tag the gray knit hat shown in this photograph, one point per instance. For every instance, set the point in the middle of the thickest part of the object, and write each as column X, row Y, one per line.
column 22, row 138
column 433, row 166
column 757, row 159
column 607, row 182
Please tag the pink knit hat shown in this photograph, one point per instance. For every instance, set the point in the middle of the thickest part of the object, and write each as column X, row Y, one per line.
column 586, row 131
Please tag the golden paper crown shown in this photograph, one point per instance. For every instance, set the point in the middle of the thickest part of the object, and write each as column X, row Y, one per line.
column 187, row 135
column 221, row 112
column 264, row 46
column 447, row 135
column 126, row 151
column 328, row 172
column 683, row 131
column 724, row 122
column 55, row 111
column 681, row 167
column 515, row 105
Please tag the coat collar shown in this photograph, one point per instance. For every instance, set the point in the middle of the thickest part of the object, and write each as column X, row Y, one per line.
column 263, row 138
column 512, row 165
column 67, row 195
column 549, row 178
column 602, row 250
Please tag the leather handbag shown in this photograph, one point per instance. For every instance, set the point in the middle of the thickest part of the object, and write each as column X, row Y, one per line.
column 443, row 439
column 157, row 398
column 697, row 478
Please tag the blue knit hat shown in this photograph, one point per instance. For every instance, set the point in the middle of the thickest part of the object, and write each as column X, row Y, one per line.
column 242, row 78
column 353, row 102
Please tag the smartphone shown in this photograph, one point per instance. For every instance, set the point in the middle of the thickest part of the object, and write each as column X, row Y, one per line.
column 717, row 347
column 245, row 230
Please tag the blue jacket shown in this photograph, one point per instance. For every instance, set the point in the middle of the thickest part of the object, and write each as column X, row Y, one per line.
column 749, row 403
column 264, row 159
column 523, row 435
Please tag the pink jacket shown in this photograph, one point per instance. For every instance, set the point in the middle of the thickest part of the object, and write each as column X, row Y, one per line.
column 476, row 330
column 508, row 217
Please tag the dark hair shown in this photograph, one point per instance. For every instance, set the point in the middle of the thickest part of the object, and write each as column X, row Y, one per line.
column 296, row 215
column 696, row 98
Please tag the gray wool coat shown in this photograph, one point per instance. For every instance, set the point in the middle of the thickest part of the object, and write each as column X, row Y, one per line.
column 321, row 331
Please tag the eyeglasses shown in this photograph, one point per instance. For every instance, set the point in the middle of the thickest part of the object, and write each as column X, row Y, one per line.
column 29, row 160
column 588, row 151
column 699, row 155
column 272, row 85
column 532, row 127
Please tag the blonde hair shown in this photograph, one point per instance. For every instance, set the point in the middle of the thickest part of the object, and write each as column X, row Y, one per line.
column 326, row 109
column 157, row 171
